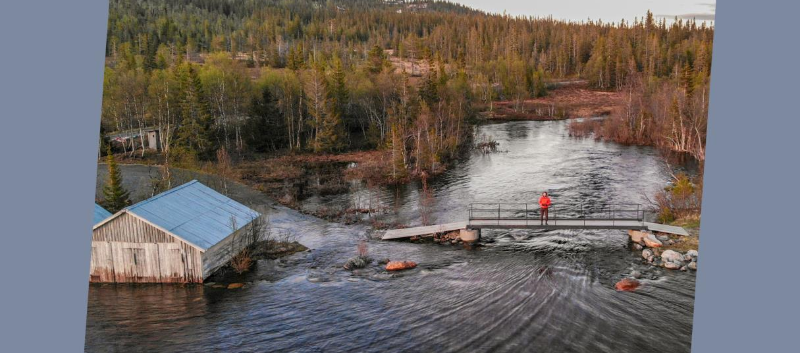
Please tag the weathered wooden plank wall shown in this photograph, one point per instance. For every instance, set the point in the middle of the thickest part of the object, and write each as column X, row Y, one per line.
column 127, row 249
column 221, row 253
column 128, row 228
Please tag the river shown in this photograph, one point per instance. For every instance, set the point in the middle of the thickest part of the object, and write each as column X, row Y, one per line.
column 543, row 291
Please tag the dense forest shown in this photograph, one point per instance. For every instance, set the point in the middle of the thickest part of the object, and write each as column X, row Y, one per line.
column 407, row 77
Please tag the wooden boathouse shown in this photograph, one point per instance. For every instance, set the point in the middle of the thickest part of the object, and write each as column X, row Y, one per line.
column 182, row 235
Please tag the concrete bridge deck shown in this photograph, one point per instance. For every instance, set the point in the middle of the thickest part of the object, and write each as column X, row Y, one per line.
column 534, row 225
column 498, row 217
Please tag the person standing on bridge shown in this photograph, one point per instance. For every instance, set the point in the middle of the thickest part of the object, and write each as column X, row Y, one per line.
column 544, row 204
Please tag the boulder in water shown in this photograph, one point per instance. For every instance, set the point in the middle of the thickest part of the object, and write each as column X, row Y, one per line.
column 672, row 259
column 400, row 265
column 692, row 265
column 627, row 285
column 647, row 254
column 672, row 256
column 637, row 235
column 235, row 285
column 356, row 262
column 651, row 242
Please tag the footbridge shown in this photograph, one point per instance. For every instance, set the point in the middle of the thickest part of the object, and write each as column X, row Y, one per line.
column 529, row 216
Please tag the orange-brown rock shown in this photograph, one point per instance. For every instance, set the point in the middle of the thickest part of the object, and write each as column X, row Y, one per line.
column 650, row 241
column 400, row 265
column 235, row 285
column 637, row 235
column 627, row 285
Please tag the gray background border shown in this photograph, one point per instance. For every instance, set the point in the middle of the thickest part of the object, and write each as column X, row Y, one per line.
column 747, row 290
column 51, row 68
column 51, row 81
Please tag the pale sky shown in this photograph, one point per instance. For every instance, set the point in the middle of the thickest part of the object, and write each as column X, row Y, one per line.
column 606, row 10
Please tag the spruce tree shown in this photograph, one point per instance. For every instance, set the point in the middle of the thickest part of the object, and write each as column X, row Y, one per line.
column 337, row 90
column 116, row 197
column 266, row 124
column 376, row 60
column 429, row 90
column 194, row 136
column 331, row 135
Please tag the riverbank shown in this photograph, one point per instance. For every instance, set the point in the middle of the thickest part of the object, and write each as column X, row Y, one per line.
column 566, row 100
column 290, row 178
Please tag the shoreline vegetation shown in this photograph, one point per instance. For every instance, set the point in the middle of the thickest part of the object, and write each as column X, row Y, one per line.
column 387, row 92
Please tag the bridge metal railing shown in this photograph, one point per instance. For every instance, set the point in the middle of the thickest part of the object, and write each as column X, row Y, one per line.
column 486, row 211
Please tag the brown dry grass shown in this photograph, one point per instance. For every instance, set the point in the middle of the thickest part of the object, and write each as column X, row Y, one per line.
column 686, row 244
column 242, row 261
column 368, row 165
column 574, row 100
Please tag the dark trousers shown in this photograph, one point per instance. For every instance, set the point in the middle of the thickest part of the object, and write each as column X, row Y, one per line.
column 544, row 215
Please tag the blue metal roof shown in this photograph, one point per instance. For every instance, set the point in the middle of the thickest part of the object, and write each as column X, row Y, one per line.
column 100, row 213
column 195, row 212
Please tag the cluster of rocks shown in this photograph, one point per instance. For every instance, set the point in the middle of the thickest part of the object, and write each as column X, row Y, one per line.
column 643, row 240
column 450, row 237
column 671, row 259
column 651, row 245
column 440, row 238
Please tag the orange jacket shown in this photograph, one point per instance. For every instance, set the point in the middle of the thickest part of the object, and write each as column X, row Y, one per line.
column 544, row 201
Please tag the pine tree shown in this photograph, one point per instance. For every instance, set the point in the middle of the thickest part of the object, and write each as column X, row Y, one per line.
column 291, row 61
column 194, row 135
column 429, row 89
column 116, row 197
column 376, row 60
column 266, row 124
column 337, row 89
column 330, row 137
column 687, row 79
column 539, row 86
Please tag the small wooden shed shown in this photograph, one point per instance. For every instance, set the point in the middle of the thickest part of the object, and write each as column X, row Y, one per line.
column 181, row 235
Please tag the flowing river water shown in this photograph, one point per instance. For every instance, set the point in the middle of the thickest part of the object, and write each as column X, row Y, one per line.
column 542, row 291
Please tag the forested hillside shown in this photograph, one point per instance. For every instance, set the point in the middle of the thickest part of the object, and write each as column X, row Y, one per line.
column 408, row 77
